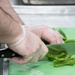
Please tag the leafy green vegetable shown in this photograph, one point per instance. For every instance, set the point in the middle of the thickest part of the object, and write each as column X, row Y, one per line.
column 63, row 34
column 64, row 37
column 71, row 40
column 59, row 55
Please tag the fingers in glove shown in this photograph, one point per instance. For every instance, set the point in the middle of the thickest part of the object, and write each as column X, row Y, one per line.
column 44, row 51
column 51, row 36
column 58, row 37
column 40, row 53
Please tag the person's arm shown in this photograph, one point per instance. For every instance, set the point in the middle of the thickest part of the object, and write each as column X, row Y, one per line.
column 6, row 6
column 31, row 47
column 10, row 30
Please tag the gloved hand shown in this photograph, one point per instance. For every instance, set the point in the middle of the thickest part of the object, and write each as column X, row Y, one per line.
column 32, row 48
column 46, row 33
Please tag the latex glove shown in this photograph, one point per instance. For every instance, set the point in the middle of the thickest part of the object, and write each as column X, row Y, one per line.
column 31, row 48
column 46, row 33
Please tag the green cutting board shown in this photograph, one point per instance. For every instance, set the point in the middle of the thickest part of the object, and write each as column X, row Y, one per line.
column 43, row 67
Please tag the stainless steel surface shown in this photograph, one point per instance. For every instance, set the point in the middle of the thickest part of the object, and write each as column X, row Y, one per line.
column 49, row 1
column 4, row 66
column 16, row 2
column 20, row 2
column 45, row 10
column 53, row 16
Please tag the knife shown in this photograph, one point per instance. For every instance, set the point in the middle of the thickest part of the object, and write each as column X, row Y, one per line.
column 69, row 47
column 8, row 53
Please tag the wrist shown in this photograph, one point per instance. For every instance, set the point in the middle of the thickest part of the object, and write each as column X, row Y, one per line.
column 19, row 39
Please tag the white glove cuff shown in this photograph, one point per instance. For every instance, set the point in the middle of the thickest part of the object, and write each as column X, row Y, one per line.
column 21, row 39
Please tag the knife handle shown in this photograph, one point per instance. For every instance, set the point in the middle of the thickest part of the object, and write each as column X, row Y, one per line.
column 8, row 53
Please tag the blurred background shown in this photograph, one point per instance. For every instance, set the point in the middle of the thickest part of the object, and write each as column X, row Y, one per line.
column 54, row 13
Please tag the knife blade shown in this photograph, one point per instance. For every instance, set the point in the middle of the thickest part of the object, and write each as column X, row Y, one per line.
column 69, row 47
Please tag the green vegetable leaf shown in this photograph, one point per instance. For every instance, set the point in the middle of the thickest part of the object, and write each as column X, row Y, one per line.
column 63, row 34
